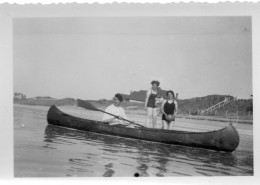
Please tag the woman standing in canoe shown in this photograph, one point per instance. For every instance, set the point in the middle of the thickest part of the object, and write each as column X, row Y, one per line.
column 153, row 97
column 169, row 109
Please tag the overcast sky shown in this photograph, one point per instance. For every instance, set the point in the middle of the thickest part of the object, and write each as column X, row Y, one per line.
column 96, row 57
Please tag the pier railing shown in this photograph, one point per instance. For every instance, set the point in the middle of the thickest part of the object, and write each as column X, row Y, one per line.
column 218, row 105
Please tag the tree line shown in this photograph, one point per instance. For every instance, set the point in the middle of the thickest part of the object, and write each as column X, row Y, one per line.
column 241, row 107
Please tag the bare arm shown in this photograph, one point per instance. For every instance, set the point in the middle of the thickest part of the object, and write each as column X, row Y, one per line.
column 147, row 97
column 176, row 108
column 162, row 108
column 109, row 119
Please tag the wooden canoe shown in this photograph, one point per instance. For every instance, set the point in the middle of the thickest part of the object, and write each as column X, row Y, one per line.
column 225, row 139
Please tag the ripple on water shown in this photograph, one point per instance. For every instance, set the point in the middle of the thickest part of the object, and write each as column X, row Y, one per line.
column 44, row 150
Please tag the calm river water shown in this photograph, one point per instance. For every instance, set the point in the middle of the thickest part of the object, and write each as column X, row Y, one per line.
column 42, row 150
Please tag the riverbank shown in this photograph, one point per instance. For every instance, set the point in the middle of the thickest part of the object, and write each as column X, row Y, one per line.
column 131, row 108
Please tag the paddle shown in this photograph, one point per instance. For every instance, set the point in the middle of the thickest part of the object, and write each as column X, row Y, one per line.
column 89, row 106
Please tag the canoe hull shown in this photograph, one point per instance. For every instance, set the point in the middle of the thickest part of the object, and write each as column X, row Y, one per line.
column 226, row 139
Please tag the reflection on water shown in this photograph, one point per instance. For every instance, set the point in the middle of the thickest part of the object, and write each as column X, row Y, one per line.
column 51, row 151
column 142, row 160
column 90, row 154
column 109, row 172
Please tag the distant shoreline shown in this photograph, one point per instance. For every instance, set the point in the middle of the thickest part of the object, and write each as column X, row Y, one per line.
column 136, row 110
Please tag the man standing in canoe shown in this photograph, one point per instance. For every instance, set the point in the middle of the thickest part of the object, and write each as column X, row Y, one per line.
column 117, row 110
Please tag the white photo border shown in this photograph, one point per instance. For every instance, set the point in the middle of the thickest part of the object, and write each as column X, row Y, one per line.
column 10, row 11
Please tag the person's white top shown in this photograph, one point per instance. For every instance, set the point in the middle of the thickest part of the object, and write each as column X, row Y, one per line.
column 118, row 111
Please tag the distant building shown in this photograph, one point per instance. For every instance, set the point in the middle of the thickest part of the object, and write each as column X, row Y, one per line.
column 19, row 96
column 126, row 97
column 139, row 96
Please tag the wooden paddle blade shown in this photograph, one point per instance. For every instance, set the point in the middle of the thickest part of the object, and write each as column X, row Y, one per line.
column 86, row 105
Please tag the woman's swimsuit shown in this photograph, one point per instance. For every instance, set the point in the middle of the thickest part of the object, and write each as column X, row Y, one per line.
column 151, row 100
column 169, row 108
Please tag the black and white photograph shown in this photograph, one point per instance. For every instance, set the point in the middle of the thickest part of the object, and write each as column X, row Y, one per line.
column 131, row 95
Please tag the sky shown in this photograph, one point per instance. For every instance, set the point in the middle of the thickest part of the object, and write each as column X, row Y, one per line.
column 96, row 57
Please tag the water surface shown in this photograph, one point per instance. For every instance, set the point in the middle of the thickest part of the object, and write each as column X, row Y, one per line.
column 42, row 150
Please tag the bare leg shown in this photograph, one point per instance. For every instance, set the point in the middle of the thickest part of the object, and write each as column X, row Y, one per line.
column 149, row 116
column 154, row 117
column 147, row 121
column 164, row 124
column 171, row 125
column 154, row 122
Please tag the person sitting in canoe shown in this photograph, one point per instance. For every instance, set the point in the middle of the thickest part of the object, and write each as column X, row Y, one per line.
column 115, row 109
column 169, row 109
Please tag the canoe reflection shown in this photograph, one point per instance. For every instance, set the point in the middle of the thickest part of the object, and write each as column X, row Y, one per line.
column 102, row 155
